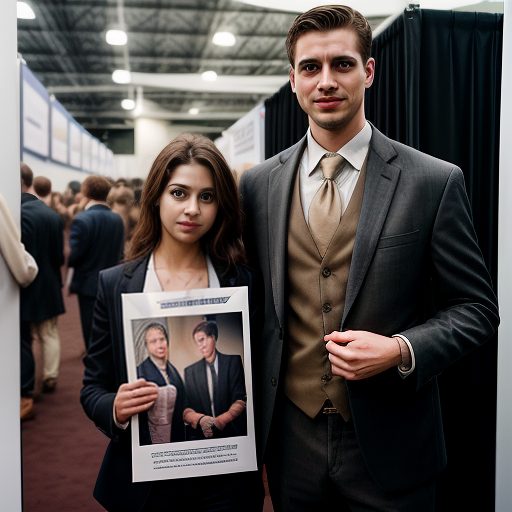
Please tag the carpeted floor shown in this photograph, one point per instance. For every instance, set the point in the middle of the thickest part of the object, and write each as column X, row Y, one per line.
column 62, row 450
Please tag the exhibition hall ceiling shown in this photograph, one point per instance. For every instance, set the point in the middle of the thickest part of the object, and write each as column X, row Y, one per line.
column 169, row 46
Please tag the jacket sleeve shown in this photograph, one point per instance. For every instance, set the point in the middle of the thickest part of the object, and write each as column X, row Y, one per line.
column 466, row 312
column 78, row 241
column 20, row 263
column 100, row 383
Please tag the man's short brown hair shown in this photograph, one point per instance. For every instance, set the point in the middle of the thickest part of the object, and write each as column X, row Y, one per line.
column 96, row 188
column 27, row 176
column 42, row 186
column 330, row 17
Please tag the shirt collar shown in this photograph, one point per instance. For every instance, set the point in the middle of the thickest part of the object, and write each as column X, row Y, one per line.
column 354, row 151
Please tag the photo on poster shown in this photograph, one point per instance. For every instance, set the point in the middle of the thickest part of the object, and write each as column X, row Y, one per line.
column 195, row 346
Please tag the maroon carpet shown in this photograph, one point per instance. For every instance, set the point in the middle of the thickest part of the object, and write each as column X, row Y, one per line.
column 62, row 449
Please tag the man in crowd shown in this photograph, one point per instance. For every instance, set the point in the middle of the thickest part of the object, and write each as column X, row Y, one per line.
column 96, row 242
column 215, row 388
column 372, row 285
column 41, row 302
column 43, row 189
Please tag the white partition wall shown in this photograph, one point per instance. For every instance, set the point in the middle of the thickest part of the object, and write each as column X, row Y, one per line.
column 504, row 419
column 10, row 467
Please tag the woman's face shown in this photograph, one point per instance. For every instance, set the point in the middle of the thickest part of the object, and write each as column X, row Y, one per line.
column 156, row 343
column 188, row 205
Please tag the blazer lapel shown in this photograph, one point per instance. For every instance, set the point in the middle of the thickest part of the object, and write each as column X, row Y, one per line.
column 134, row 276
column 380, row 185
column 280, row 186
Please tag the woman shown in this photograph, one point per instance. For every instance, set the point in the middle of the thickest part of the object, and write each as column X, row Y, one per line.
column 188, row 236
column 164, row 420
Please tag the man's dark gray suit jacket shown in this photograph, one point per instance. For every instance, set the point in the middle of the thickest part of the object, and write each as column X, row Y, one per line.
column 416, row 270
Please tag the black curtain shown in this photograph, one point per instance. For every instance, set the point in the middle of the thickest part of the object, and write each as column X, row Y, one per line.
column 437, row 88
column 285, row 121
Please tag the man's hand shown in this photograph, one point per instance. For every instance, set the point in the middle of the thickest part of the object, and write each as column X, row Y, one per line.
column 134, row 398
column 206, row 423
column 357, row 355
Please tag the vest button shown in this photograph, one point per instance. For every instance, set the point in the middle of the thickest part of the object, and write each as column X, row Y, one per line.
column 326, row 378
column 273, row 381
column 326, row 308
column 326, row 272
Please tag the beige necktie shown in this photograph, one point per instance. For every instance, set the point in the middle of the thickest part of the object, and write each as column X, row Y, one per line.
column 325, row 209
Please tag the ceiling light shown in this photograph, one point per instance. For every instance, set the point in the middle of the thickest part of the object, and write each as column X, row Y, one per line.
column 224, row 39
column 128, row 104
column 209, row 76
column 116, row 37
column 121, row 76
column 24, row 11
column 193, row 111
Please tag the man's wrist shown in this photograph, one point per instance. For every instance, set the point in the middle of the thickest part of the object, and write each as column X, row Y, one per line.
column 405, row 355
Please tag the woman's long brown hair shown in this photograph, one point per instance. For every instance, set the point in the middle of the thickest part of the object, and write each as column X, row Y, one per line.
column 223, row 241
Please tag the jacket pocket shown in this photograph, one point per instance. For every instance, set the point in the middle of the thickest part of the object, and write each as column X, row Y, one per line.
column 397, row 240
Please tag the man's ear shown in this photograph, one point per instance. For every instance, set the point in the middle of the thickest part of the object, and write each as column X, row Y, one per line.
column 370, row 72
column 292, row 78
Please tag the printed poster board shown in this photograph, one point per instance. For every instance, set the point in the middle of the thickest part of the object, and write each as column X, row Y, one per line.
column 164, row 446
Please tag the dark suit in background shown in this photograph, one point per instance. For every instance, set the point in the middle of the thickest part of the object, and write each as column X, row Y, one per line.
column 41, row 301
column 96, row 242
column 147, row 370
column 231, row 387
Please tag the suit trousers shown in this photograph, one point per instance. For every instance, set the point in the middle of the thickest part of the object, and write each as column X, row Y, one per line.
column 317, row 462
column 48, row 335
column 27, row 366
column 86, row 305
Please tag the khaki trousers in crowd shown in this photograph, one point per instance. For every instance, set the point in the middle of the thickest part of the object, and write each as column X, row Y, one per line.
column 47, row 333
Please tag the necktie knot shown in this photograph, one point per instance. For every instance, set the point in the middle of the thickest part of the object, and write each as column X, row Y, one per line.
column 330, row 165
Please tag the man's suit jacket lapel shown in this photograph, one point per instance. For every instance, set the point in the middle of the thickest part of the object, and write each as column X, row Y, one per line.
column 280, row 187
column 381, row 181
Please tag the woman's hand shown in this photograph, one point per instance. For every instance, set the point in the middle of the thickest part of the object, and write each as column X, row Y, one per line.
column 134, row 398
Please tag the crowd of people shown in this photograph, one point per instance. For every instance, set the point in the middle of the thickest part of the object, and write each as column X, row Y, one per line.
column 365, row 281
column 72, row 236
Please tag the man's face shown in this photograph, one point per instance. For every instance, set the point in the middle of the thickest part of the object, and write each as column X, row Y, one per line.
column 156, row 343
column 206, row 345
column 330, row 79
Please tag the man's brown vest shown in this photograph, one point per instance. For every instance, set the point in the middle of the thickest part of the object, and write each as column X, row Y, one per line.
column 316, row 298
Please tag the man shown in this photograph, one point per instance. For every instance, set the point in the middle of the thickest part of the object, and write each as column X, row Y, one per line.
column 165, row 418
column 96, row 242
column 41, row 302
column 372, row 285
column 215, row 388
column 48, row 337
column 43, row 189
